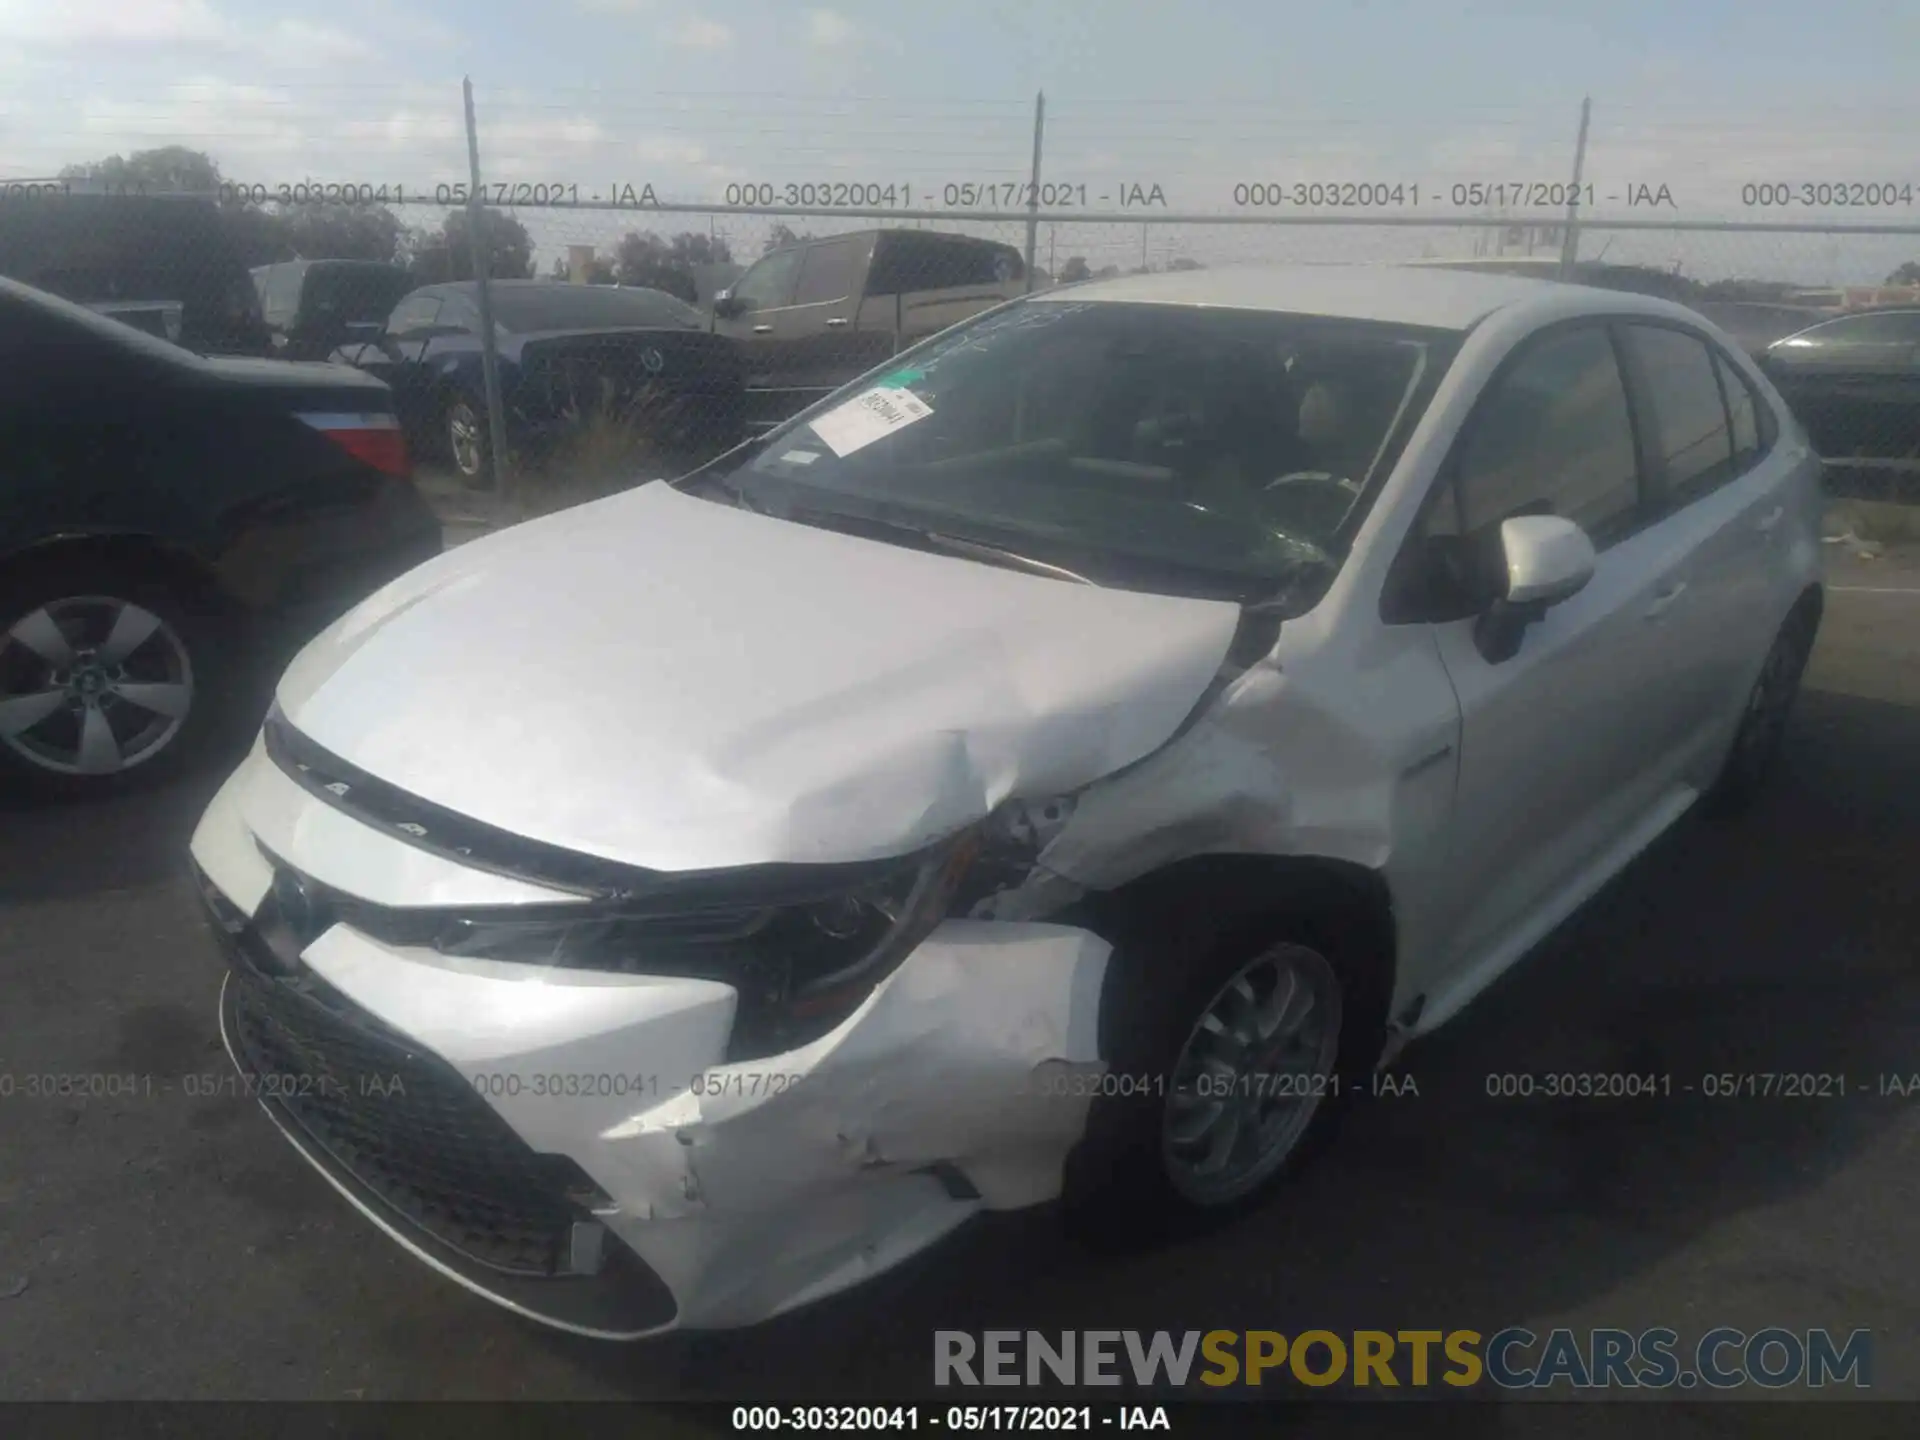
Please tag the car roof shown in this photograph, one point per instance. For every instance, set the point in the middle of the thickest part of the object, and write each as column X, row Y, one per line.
column 902, row 231
column 1434, row 298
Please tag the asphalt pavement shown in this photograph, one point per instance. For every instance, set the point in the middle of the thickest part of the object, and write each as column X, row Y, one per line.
column 161, row 1244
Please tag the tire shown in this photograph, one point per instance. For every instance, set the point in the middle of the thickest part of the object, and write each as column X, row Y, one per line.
column 464, row 431
column 1131, row 1182
column 1756, row 744
column 107, row 680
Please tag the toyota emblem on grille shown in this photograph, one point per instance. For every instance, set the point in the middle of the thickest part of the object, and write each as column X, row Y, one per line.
column 653, row 360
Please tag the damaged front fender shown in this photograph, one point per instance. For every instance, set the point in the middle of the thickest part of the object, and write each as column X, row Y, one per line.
column 768, row 1183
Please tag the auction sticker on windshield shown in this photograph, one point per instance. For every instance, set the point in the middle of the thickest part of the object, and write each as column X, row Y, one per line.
column 869, row 417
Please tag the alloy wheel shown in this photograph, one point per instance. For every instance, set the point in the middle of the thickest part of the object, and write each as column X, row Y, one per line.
column 1254, row 1069
column 92, row 685
column 464, row 438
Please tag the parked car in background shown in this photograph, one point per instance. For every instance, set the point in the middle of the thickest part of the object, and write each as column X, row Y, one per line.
column 164, row 264
column 162, row 517
column 1064, row 763
column 1854, row 381
column 311, row 307
column 1757, row 324
column 566, row 353
column 811, row 316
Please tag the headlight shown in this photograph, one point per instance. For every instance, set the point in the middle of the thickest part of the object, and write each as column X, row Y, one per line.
column 803, row 952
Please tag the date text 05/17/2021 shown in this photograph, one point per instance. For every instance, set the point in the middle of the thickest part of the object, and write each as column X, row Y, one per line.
column 960, row 1419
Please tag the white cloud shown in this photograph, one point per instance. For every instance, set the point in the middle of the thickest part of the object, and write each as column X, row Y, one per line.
column 615, row 7
column 830, row 30
column 297, row 42
column 406, row 128
column 574, row 131
column 242, row 121
column 698, row 33
column 62, row 23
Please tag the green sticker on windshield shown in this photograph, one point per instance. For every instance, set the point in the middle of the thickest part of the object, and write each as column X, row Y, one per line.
column 900, row 379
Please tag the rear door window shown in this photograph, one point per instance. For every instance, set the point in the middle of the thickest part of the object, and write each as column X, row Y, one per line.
column 1744, row 409
column 1690, row 431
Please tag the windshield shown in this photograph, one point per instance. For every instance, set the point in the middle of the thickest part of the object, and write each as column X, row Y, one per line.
column 1180, row 448
column 553, row 305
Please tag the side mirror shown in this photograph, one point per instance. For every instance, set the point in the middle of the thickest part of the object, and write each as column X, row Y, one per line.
column 729, row 306
column 1548, row 559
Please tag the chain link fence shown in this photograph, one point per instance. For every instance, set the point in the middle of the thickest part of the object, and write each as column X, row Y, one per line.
column 542, row 324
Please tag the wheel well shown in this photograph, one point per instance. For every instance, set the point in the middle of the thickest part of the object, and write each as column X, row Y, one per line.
column 1813, row 598
column 141, row 556
column 1225, row 892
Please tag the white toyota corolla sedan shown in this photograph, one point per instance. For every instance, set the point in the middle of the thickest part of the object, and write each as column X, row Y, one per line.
column 1064, row 764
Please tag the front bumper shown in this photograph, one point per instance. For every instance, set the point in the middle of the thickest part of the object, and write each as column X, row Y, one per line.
column 572, row 1145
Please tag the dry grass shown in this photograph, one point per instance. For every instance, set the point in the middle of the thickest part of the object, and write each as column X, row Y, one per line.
column 604, row 451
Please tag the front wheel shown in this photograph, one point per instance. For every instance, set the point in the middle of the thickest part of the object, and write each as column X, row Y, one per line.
column 468, row 443
column 1234, row 1072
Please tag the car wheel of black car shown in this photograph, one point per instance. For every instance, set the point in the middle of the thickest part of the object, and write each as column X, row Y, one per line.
column 1235, row 1048
column 105, row 679
column 468, row 444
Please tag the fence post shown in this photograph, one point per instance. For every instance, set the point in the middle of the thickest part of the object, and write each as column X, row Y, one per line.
column 489, row 357
column 1033, row 194
column 1570, row 242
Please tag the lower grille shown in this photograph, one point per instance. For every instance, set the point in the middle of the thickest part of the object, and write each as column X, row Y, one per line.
column 406, row 1125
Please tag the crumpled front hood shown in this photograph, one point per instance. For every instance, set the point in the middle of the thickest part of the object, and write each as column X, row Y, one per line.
column 675, row 684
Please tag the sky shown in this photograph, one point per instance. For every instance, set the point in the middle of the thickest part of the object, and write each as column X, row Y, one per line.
column 1198, row 99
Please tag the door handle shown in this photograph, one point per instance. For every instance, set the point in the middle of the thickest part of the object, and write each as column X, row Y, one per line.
column 839, row 322
column 1767, row 521
column 1664, row 599
column 763, row 329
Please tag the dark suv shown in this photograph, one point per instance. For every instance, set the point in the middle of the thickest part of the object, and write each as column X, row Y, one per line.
column 313, row 306
column 169, row 265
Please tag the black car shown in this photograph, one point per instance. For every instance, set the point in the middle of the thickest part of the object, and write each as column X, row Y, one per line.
column 164, row 515
column 565, row 352
column 312, row 307
column 170, row 265
column 1756, row 324
column 1854, row 383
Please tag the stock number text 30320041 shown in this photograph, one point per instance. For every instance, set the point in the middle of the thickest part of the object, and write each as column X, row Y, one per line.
column 1406, row 194
column 617, row 194
column 1851, row 194
column 952, row 195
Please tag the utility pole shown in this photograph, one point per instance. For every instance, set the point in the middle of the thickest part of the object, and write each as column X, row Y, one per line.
column 1033, row 193
column 1570, row 242
column 489, row 359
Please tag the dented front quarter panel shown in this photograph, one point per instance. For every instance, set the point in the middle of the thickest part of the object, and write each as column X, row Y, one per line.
column 1330, row 747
